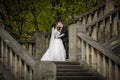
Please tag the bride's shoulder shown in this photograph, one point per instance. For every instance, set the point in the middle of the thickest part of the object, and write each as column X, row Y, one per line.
column 56, row 30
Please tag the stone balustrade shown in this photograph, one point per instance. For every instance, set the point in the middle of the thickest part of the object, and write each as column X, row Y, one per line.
column 102, row 23
column 106, row 27
column 14, row 57
column 29, row 46
column 95, row 28
column 20, row 63
column 93, row 14
column 101, row 59
column 90, row 15
column 37, row 46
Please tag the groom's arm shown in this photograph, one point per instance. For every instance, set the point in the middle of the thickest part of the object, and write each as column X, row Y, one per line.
column 63, row 32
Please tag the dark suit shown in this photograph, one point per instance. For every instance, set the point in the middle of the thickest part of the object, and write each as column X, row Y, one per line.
column 65, row 40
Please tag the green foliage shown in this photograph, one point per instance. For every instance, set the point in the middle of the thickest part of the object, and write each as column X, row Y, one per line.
column 117, row 1
column 22, row 17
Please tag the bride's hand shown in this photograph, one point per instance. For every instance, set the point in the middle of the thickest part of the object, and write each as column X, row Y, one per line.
column 59, row 36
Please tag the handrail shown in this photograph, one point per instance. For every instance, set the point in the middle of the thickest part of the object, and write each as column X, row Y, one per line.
column 17, row 48
column 99, row 47
column 29, row 45
column 5, row 73
column 112, row 42
column 20, row 63
column 26, row 41
column 88, row 12
column 103, row 17
column 117, row 5
column 85, row 14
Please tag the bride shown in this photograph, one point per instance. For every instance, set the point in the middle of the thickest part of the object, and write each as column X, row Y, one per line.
column 56, row 50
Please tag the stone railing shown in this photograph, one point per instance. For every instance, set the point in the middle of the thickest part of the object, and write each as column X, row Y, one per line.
column 95, row 13
column 29, row 46
column 36, row 47
column 5, row 74
column 102, row 15
column 103, row 28
column 106, row 27
column 117, row 5
column 101, row 59
column 114, row 42
column 90, row 15
column 20, row 63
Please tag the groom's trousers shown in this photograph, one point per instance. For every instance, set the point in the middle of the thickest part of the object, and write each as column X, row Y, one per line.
column 66, row 48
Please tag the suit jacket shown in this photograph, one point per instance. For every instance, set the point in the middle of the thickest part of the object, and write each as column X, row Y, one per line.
column 64, row 31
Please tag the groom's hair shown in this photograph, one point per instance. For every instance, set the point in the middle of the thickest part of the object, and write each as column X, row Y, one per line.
column 59, row 21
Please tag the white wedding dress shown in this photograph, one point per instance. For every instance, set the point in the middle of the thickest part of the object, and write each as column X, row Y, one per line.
column 56, row 50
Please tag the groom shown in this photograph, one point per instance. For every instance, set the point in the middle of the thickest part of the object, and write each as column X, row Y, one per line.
column 63, row 36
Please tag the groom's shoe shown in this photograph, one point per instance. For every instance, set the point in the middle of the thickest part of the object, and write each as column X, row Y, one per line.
column 66, row 57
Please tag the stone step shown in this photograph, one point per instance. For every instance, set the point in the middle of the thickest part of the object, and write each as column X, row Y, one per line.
column 74, row 74
column 72, row 70
column 1, row 77
column 67, row 63
column 76, row 78
column 69, row 66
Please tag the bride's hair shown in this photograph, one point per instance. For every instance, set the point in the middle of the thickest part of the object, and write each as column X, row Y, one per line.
column 53, row 25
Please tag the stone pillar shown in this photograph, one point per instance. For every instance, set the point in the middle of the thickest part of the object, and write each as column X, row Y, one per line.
column 45, row 71
column 39, row 39
column 84, row 20
column 87, row 53
column 111, row 71
column 95, row 15
column 89, row 19
column 109, row 6
column 107, row 31
column 117, row 72
column 73, row 30
column 105, row 67
column 83, row 51
column 101, row 33
column 118, row 24
column 72, row 42
column 94, row 33
column 99, row 63
column 94, row 58
column 114, row 26
column 101, row 12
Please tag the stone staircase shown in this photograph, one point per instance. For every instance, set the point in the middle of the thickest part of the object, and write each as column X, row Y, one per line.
column 1, row 77
column 73, row 71
column 94, row 28
column 5, row 74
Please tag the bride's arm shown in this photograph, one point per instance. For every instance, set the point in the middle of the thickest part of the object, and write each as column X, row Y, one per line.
column 61, row 35
column 56, row 34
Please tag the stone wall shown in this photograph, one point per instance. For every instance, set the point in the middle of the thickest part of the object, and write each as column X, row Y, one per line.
column 73, row 30
column 40, row 44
